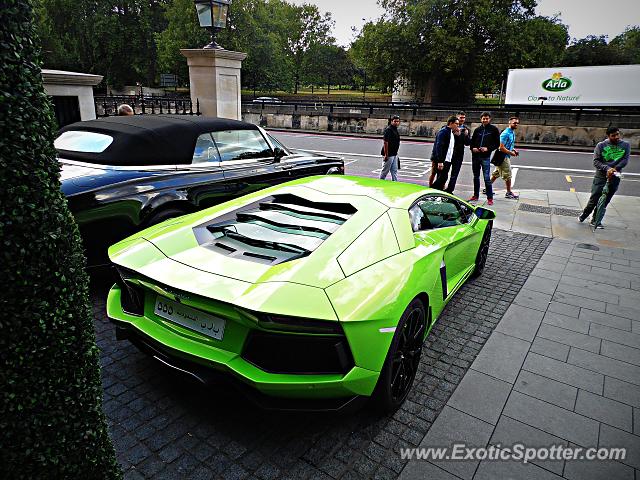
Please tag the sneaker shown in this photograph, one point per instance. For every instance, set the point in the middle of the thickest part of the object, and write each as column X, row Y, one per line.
column 490, row 202
column 593, row 224
column 511, row 195
column 582, row 217
column 473, row 199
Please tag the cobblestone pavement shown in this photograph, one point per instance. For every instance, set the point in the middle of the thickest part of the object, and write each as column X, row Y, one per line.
column 165, row 427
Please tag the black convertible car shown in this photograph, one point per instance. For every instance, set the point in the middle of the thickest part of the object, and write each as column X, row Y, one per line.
column 122, row 174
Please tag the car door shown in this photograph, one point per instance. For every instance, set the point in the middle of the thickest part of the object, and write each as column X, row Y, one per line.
column 247, row 161
column 443, row 221
column 203, row 179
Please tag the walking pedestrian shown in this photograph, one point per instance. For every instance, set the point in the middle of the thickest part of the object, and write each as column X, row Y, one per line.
column 462, row 139
column 485, row 139
column 506, row 150
column 443, row 151
column 390, row 149
column 609, row 157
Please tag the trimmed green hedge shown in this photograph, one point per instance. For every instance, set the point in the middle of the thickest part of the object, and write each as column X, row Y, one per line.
column 51, row 419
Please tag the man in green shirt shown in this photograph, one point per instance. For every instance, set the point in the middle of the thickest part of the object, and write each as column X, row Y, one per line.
column 609, row 157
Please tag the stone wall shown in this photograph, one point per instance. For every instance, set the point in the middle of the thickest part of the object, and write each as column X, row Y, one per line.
column 535, row 128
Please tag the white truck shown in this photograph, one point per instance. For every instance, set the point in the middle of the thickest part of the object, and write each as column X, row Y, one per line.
column 601, row 86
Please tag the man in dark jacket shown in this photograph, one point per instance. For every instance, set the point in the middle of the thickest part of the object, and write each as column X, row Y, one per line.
column 609, row 157
column 462, row 139
column 485, row 139
column 442, row 154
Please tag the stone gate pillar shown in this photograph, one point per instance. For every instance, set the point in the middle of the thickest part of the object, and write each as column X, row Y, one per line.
column 214, row 77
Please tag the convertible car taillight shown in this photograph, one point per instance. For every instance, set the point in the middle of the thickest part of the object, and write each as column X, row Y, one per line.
column 298, row 354
column 131, row 296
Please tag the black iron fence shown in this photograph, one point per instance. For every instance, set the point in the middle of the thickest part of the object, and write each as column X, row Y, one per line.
column 623, row 117
column 107, row 106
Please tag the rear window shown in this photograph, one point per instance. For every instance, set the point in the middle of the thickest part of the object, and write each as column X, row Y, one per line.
column 86, row 142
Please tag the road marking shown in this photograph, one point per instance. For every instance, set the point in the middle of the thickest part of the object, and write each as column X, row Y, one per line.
column 514, row 172
column 569, row 181
column 591, row 177
column 410, row 168
column 523, row 167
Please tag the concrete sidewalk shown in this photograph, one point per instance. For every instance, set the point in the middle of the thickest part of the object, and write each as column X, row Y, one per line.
column 561, row 367
column 552, row 213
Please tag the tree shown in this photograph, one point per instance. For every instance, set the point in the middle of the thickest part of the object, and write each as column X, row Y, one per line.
column 326, row 65
column 50, row 390
column 182, row 31
column 306, row 29
column 628, row 45
column 591, row 50
column 448, row 48
column 376, row 51
column 113, row 38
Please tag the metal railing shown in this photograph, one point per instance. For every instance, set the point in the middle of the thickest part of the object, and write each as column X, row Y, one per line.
column 628, row 117
column 107, row 106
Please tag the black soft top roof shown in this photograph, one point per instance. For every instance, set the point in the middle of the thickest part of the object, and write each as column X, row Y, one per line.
column 149, row 139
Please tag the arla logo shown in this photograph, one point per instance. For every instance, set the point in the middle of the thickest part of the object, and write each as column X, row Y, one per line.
column 557, row 83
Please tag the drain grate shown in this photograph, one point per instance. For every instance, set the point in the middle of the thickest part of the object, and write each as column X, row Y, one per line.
column 588, row 246
column 527, row 207
column 565, row 212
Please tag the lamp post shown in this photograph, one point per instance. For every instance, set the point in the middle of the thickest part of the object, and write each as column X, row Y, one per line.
column 212, row 14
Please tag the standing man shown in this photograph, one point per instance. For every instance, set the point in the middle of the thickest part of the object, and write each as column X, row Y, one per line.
column 609, row 157
column 390, row 149
column 507, row 146
column 462, row 139
column 443, row 151
column 485, row 139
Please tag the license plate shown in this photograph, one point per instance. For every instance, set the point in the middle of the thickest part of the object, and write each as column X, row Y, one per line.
column 190, row 318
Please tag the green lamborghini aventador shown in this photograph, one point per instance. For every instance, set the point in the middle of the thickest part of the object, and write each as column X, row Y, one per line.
column 319, row 289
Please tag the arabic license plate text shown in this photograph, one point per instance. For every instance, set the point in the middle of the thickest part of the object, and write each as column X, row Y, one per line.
column 190, row 318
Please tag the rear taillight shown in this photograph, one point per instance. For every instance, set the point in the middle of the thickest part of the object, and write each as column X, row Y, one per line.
column 131, row 296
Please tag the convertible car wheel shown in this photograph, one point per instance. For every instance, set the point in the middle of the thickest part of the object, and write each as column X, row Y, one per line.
column 402, row 361
column 483, row 251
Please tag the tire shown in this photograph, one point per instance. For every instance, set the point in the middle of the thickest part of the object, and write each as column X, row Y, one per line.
column 483, row 251
column 400, row 366
column 162, row 215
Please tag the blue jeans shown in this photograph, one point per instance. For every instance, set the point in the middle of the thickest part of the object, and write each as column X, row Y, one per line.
column 391, row 165
column 485, row 164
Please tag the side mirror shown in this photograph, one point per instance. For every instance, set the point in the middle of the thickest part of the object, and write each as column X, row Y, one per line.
column 484, row 213
column 278, row 153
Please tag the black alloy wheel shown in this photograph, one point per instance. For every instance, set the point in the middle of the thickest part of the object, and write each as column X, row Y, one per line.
column 483, row 251
column 401, row 364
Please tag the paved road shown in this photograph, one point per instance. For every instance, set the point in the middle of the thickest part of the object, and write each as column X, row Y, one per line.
column 538, row 169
